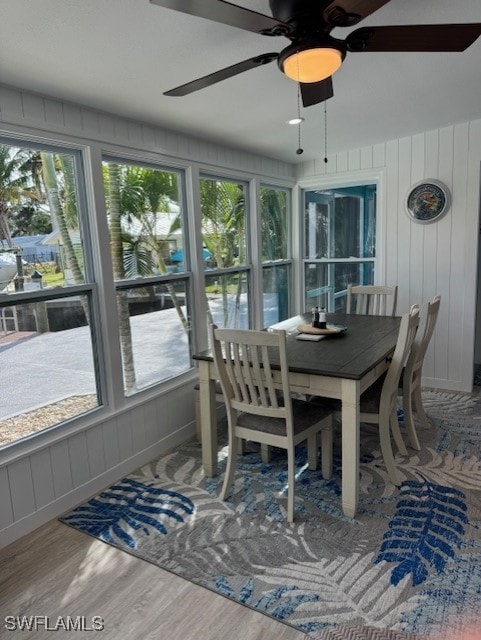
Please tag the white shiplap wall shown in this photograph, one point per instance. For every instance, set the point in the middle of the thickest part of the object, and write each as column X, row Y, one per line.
column 424, row 260
column 50, row 477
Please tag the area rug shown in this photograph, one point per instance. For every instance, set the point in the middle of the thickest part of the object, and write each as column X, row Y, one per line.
column 408, row 565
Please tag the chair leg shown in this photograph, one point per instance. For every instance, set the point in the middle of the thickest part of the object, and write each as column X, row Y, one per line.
column 386, row 449
column 312, row 451
column 396, row 432
column 265, row 453
column 291, row 474
column 419, row 407
column 231, row 465
column 409, row 420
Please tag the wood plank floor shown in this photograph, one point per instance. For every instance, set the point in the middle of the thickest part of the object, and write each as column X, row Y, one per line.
column 58, row 571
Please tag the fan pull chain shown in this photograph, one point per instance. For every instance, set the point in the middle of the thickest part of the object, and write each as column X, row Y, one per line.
column 325, row 133
column 300, row 150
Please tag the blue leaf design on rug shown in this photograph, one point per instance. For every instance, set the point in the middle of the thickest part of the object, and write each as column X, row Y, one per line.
column 461, row 586
column 130, row 504
column 425, row 530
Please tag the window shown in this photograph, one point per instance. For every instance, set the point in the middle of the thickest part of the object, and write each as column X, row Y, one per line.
column 151, row 271
column 227, row 270
column 340, row 240
column 276, row 266
column 49, row 367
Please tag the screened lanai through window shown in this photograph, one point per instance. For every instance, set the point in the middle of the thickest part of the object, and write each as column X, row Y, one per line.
column 339, row 243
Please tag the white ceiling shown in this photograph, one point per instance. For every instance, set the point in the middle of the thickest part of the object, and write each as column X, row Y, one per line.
column 121, row 55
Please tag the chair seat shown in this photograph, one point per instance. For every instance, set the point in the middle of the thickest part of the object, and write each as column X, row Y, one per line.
column 371, row 398
column 304, row 414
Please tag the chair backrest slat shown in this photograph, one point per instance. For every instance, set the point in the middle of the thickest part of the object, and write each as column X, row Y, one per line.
column 371, row 300
column 237, row 379
column 249, row 373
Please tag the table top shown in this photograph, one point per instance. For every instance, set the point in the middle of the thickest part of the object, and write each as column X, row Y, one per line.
column 367, row 341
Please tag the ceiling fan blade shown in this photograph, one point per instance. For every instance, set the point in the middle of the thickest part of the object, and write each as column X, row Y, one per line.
column 228, row 13
column 223, row 74
column 346, row 13
column 430, row 37
column 315, row 92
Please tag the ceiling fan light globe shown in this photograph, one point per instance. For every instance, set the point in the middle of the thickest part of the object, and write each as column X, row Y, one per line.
column 312, row 65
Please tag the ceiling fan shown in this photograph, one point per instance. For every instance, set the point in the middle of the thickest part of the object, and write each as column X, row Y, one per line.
column 314, row 55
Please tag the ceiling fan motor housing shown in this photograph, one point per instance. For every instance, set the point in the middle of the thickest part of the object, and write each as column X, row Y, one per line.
column 294, row 11
column 304, row 12
column 327, row 53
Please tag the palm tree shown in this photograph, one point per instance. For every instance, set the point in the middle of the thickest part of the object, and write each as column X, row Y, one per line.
column 134, row 196
column 15, row 188
column 274, row 238
column 273, row 223
column 159, row 188
column 113, row 190
column 223, row 220
column 63, row 210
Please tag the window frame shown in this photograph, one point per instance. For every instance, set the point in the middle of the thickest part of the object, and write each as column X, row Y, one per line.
column 281, row 262
column 186, row 275
column 250, row 249
column 89, row 288
column 353, row 178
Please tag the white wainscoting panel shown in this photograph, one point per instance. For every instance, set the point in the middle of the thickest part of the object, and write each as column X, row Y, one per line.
column 44, row 484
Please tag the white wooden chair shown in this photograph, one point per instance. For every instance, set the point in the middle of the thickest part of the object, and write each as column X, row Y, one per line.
column 371, row 300
column 219, row 398
column 410, row 383
column 256, row 411
column 378, row 404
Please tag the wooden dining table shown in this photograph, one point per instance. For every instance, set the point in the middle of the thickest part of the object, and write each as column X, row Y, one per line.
column 340, row 366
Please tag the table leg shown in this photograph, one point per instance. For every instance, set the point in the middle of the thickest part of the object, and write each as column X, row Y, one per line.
column 350, row 446
column 208, row 419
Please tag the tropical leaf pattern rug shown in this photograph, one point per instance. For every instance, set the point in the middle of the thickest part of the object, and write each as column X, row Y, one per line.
column 408, row 565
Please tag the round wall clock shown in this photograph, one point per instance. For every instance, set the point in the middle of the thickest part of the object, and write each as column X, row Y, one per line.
column 427, row 201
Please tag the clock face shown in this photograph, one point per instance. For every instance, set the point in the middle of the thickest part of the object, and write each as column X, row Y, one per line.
column 427, row 201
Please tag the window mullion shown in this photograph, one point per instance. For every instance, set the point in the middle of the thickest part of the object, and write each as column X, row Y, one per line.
column 111, row 363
